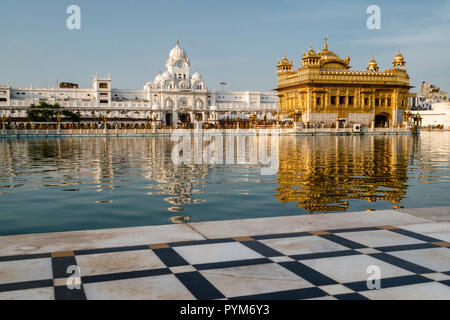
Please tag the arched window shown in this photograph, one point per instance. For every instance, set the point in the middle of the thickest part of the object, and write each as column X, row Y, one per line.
column 182, row 102
column 169, row 103
column 199, row 104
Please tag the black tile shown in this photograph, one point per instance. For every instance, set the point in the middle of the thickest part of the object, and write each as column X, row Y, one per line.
column 170, row 257
column 64, row 293
column 353, row 230
column 262, row 249
column 110, row 250
column 26, row 285
column 342, row 241
column 415, row 235
column 124, row 275
column 297, row 294
column 446, row 282
column 200, row 288
column 389, row 282
column 282, row 235
column 330, row 254
column 406, row 247
column 200, row 242
column 231, row 264
column 60, row 266
column 401, row 263
column 307, row 273
column 350, row 296
column 25, row 257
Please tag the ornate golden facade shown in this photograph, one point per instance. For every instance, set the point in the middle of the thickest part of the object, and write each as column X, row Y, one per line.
column 324, row 90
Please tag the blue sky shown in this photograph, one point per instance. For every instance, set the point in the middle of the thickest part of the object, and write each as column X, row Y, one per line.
column 234, row 41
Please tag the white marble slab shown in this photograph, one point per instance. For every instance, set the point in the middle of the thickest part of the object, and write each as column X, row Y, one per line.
column 95, row 239
column 115, row 262
column 303, row 245
column 379, row 238
column 166, row 287
column 353, row 268
column 252, row 280
column 219, row 252
column 422, row 291
column 29, row 294
column 436, row 259
column 30, row 270
column 264, row 226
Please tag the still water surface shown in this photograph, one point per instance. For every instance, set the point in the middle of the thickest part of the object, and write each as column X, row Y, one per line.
column 61, row 184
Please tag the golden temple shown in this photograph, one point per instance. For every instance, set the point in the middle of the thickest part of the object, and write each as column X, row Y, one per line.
column 325, row 91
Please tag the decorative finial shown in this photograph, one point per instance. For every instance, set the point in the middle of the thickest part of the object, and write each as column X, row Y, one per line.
column 325, row 45
column 178, row 42
column 310, row 44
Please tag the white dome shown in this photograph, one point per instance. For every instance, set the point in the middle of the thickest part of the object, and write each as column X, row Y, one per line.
column 158, row 77
column 177, row 53
column 166, row 76
column 196, row 77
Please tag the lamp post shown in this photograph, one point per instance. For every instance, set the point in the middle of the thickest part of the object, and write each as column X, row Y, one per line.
column 3, row 124
column 58, row 119
column 105, row 123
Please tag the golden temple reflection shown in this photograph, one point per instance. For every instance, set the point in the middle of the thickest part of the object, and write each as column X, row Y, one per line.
column 322, row 173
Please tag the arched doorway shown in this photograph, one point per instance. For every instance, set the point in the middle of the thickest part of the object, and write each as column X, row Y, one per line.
column 168, row 119
column 382, row 120
column 184, row 117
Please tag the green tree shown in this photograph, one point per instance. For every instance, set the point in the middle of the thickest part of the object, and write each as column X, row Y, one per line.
column 45, row 112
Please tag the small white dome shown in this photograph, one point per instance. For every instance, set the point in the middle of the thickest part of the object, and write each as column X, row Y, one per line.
column 158, row 77
column 196, row 77
column 166, row 76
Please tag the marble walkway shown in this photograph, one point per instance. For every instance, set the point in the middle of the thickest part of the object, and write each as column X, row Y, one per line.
column 330, row 256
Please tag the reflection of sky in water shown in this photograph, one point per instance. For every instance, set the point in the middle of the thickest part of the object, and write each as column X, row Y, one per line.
column 88, row 183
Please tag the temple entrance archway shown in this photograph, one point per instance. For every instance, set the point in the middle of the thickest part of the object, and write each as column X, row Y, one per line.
column 382, row 120
column 168, row 119
column 184, row 117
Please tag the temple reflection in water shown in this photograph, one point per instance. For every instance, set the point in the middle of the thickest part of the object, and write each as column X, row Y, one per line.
column 318, row 174
column 322, row 174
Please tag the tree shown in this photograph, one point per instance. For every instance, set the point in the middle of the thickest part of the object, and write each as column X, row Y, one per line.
column 45, row 112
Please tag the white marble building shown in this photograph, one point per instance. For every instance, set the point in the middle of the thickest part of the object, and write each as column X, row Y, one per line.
column 438, row 114
column 172, row 96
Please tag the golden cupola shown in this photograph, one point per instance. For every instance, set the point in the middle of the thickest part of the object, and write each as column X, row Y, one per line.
column 311, row 58
column 284, row 65
column 330, row 60
column 373, row 66
column 399, row 61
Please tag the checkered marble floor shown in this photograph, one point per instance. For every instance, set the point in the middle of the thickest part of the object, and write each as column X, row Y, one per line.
column 323, row 264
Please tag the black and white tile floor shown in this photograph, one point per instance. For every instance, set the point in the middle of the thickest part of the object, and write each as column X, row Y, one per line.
column 323, row 264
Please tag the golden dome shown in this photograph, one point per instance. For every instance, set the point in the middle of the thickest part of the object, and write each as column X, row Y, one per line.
column 399, row 60
column 284, row 61
column 284, row 65
column 373, row 65
column 311, row 52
